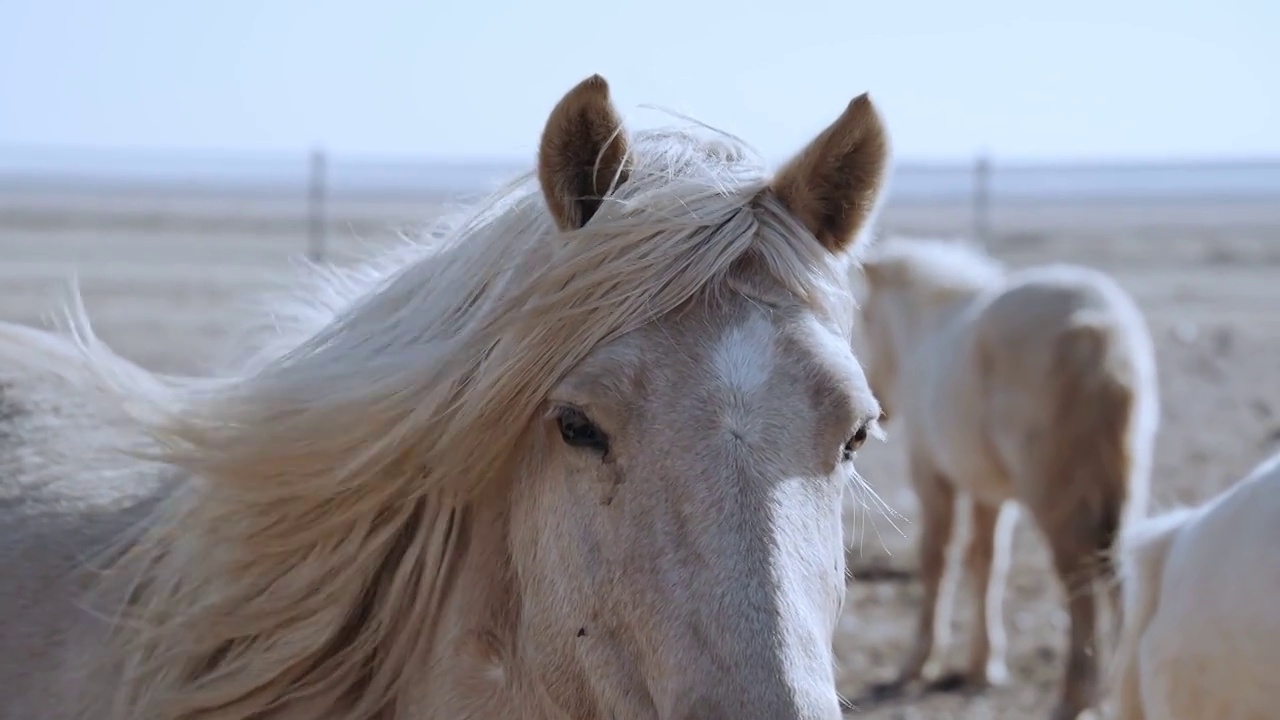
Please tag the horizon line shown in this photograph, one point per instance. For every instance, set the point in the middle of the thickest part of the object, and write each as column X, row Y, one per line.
column 9, row 149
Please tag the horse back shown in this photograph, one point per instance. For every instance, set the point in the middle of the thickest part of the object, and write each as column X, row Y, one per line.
column 63, row 504
column 1200, row 588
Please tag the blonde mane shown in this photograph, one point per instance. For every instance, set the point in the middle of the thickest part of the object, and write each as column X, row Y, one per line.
column 934, row 265
column 334, row 474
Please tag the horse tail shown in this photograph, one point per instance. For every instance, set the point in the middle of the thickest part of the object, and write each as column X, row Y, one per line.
column 1097, row 412
column 1142, row 554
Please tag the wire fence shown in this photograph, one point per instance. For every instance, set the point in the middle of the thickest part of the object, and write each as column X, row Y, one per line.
column 979, row 198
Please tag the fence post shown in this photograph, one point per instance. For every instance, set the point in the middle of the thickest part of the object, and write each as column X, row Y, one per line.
column 316, row 225
column 982, row 200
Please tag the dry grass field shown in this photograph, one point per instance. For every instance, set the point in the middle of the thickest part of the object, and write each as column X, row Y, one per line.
column 166, row 281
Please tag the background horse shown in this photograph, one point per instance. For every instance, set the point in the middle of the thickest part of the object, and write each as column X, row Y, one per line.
column 581, row 458
column 1202, row 631
column 1037, row 385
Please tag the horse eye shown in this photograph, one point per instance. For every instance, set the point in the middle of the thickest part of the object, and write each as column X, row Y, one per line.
column 855, row 442
column 580, row 432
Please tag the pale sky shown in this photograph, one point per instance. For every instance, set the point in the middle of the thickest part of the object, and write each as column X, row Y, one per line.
column 1092, row 79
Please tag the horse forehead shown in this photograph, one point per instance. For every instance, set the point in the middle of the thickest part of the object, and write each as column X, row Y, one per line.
column 742, row 358
column 760, row 346
column 771, row 378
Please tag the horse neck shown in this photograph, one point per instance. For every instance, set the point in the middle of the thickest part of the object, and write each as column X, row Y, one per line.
column 476, row 671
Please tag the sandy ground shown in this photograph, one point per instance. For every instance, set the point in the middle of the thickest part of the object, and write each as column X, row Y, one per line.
column 166, row 280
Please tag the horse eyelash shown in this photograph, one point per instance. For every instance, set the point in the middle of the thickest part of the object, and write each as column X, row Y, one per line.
column 875, row 429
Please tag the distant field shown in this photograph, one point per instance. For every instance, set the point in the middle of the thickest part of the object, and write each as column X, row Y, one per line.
column 165, row 280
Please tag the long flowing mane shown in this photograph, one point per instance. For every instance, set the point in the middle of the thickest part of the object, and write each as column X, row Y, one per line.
column 332, row 478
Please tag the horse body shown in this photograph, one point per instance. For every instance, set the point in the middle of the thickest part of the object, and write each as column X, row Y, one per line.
column 56, row 519
column 1202, row 632
column 1035, row 386
column 582, row 456
column 1021, row 334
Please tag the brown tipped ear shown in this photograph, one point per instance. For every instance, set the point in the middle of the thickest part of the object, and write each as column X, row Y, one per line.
column 833, row 184
column 583, row 149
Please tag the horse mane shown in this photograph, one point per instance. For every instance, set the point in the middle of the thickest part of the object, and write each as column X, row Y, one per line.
column 932, row 265
column 332, row 475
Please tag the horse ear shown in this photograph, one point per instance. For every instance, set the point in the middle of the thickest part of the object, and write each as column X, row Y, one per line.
column 833, row 185
column 582, row 153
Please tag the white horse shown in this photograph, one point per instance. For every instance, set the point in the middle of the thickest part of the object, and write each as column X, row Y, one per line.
column 1036, row 386
column 582, row 458
column 1201, row 637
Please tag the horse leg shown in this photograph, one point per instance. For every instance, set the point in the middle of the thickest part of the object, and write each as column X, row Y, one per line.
column 937, row 508
column 987, row 565
column 1113, row 587
column 1077, row 569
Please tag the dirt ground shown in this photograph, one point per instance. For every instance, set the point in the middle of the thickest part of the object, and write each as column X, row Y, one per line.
column 166, row 281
